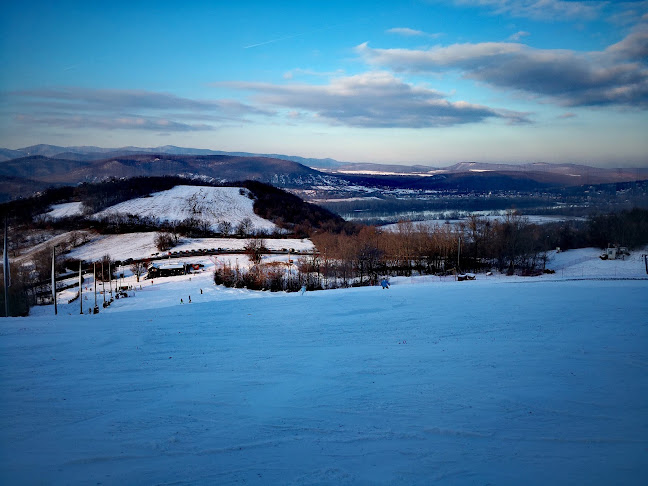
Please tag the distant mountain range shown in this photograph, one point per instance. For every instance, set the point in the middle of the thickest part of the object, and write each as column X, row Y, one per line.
column 25, row 175
column 37, row 167
column 97, row 153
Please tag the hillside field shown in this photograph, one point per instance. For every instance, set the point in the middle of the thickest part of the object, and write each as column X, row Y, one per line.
column 210, row 204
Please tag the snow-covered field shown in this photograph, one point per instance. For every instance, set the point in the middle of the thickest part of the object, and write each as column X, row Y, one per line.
column 533, row 219
column 495, row 381
column 64, row 210
column 142, row 245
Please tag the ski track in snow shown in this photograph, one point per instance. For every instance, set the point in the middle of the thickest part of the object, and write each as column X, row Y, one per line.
column 534, row 382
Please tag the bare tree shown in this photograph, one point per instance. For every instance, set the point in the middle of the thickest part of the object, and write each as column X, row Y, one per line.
column 138, row 269
column 255, row 248
column 245, row 227
column 165, row 241
column 106, row 267
column 224, row 228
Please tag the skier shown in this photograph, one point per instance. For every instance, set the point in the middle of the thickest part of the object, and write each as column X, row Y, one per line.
column 385, row 283
column 190, row 299
column 303, row 289
column 181, row 301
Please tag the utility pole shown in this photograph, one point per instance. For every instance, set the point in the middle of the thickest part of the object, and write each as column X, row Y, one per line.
column 458, row 253
column 80, row 288
column 6, row 272
column 94, row 269
column 110, row 280
column 54, row 279
column 103, row 284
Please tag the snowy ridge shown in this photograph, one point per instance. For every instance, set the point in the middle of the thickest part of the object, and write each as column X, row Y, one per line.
column 211, row 204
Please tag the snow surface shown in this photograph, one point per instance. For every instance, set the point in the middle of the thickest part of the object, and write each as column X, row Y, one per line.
column 212, row 204
column 440, row 221
column 64, row 210
column 494, row 381
column 142, row 245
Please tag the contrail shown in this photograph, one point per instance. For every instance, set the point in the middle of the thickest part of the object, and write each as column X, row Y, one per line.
column 292, row 36
column 279, row 39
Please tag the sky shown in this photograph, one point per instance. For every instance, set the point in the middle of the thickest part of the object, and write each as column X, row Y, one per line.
column 428, row 82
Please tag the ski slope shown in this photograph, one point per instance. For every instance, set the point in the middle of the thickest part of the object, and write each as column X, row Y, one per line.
column 496, row 381
column 211, row 204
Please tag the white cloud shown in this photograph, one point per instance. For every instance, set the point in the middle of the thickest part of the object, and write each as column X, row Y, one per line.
column 407, row 32
column 376, row 100
column 541, row 9
column 616, row 76
column 518, row 35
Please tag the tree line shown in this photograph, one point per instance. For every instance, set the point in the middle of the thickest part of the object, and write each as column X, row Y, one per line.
column 512, row 245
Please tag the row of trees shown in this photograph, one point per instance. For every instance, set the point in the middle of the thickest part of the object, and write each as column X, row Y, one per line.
column 271, row 276
column 512, row 245
column 192, row 228
column 476, row 245
column 362, row 257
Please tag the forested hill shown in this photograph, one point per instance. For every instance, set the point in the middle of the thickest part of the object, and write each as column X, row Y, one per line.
column 38, row 172
column 282, row 208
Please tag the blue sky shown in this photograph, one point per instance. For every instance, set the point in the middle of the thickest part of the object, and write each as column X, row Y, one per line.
column 430, row 82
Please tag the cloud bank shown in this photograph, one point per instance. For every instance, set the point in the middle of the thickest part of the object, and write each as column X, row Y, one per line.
column 375, row 100
column 74, row 107
column 616, row 76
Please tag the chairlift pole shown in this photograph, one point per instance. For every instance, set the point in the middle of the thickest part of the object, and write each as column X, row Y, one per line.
column 54, row 279
column 80, row 289
column 6, row 271
column 110, row 280
column 103, row 284
column 94, row 269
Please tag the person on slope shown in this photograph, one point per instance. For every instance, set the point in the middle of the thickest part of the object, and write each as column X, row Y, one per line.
column 385, row 283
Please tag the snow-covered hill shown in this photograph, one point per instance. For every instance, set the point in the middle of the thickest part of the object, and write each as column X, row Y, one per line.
column 211, row 204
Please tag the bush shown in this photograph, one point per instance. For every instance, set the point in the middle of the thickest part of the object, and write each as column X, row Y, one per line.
column 165, row 241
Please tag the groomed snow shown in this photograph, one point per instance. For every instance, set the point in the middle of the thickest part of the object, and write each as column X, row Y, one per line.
column 212, row 204
column 495, row 381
